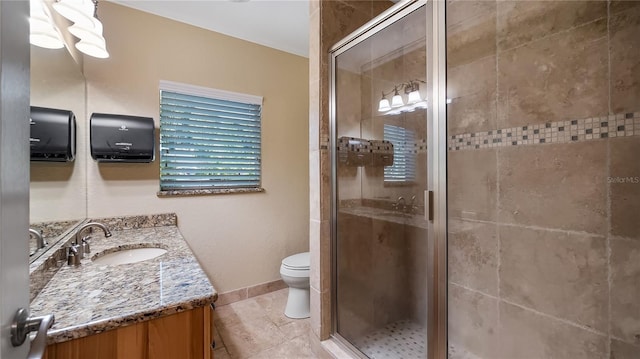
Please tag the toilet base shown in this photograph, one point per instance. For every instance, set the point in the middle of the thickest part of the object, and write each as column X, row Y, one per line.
column 297, row 303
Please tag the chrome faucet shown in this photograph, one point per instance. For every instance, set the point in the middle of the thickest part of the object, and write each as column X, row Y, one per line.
column 412, row 205
column 399, row 201
column 40, row 242
column 82, row 244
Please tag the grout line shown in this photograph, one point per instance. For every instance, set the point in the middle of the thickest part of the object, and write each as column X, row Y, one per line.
column 473, row 62
column 552, row 34
column 499, row 246
column 613, row 337
column 555, row 230
column 497, row 208
column 474, row 290
column 548, row 316
column 609, row 54
column 608, row 187
column 562, row 320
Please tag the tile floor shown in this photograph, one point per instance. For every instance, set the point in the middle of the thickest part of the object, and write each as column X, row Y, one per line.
column 402, row 339
column 257, row 328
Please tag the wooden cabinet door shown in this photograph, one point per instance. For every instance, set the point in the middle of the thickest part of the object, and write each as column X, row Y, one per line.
column 186, row 335
column 178, row 336
column 124, row 343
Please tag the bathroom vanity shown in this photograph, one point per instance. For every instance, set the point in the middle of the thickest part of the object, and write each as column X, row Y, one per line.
column 158, row 307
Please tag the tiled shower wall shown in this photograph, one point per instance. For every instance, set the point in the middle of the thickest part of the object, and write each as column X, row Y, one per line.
column 329, row 21
column 544, row 233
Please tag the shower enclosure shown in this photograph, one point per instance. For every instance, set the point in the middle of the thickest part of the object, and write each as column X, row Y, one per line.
column 486, row 182
column 494, row 215
column 380, row 185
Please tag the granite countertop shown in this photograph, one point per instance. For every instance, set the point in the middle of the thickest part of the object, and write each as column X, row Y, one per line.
column 92, row 298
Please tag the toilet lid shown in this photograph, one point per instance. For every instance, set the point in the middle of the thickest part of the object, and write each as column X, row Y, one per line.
column 297, row 261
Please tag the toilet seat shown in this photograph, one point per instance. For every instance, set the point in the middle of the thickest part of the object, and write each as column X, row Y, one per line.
column 298, row 261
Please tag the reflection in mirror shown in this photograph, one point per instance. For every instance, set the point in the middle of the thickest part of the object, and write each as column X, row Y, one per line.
column 57, row 189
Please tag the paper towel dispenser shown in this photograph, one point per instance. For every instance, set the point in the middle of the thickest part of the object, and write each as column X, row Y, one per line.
column 53, row 134
column 120, row 138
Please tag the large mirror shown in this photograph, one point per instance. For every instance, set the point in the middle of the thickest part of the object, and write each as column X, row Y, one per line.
column 58, row 190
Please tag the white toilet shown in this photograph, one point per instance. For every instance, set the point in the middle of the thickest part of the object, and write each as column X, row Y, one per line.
column 295, row 273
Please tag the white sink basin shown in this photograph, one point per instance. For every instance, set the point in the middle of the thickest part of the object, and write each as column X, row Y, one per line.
column 127, row 256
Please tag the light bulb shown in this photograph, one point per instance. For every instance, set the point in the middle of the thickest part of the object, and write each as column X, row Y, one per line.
column 414, row 97
column 384, row 105
column 397, row 101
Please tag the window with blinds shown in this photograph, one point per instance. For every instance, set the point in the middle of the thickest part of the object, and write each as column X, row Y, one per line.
column 209, row 139
column 404, row 158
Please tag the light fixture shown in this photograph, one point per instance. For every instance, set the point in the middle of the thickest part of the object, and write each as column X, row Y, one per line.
column 396, row 100
column 42, row 33
column 91, row 41
column 86, row 27
column 78, row 11
column 384, row 104
column 398, row 106
column 414, row 94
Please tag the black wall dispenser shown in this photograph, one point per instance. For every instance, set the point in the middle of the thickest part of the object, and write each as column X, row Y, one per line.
column 53, row 134
column 120, row 138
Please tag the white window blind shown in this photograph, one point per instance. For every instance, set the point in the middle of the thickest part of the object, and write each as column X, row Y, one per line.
column 209, row 139
column 404, row 159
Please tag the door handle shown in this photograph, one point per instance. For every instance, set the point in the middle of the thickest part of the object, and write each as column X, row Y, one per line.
column 428, row 205
column 23, row 324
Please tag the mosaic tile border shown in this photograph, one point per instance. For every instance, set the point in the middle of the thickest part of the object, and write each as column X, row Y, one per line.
column 586, row 129
column 354, row 144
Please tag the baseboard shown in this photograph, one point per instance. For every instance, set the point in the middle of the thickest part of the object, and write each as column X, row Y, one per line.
column 249, row 292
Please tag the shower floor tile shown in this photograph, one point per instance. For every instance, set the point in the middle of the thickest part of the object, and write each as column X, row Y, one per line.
column 399, row 340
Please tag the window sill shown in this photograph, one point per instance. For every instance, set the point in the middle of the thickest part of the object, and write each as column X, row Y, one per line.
column 206, row 192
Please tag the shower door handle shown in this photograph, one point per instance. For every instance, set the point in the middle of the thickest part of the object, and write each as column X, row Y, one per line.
column 428, row 205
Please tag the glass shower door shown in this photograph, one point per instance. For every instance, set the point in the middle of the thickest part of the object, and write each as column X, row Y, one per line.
column 379, row 128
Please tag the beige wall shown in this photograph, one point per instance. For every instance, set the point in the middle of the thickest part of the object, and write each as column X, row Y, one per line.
column 57, row 190
column 239, row 239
